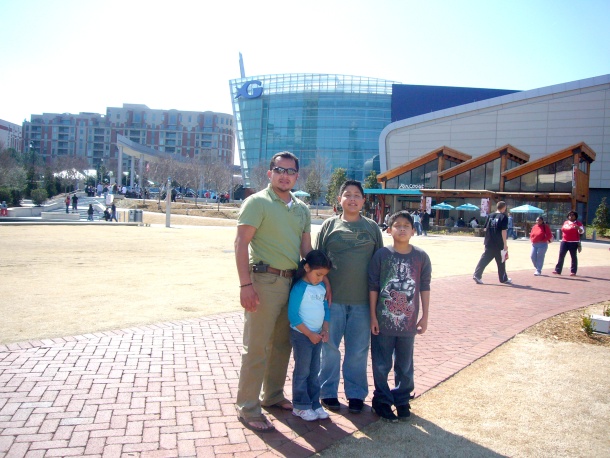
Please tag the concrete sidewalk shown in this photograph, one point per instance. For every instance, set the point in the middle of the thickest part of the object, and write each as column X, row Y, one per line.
column 167, row 390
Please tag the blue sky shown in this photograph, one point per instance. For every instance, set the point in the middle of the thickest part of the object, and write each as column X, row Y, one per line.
column 71, row 56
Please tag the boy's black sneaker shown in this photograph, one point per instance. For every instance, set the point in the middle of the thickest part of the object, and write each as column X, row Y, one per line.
column 355, row 405
column 404, row 412
column 385, row 412
column 331, row 403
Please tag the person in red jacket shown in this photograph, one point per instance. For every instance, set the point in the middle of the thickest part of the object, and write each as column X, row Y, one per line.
column 570, row 241
column 540, row 236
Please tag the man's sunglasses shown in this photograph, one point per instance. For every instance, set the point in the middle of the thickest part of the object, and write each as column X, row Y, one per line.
column 281, row 170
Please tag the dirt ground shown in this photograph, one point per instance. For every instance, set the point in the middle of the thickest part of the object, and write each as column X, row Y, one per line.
column 72, row 280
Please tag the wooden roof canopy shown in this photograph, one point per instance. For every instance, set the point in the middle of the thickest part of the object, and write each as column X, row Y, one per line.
column 449, row 153
column 582, row 148
column 513, row 153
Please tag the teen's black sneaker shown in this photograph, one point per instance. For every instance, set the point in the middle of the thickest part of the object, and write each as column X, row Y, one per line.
column 355, row 405
column 385, row 412
column 404, row 412
column 331, row 403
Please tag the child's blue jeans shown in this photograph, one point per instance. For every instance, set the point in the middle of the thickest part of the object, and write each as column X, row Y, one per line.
column 386, row 350
column 305, row 381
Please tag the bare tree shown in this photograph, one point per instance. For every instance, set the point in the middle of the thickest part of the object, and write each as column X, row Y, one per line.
column 68, row 170
column 221, row 178
column 258, row 177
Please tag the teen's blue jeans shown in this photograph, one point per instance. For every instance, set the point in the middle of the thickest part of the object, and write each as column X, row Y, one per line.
column 352, row 322
column 538, row 253
column 305, row 382
column 384, row 349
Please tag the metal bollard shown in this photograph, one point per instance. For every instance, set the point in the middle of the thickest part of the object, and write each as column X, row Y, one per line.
column 558, row 234
column 594, row 235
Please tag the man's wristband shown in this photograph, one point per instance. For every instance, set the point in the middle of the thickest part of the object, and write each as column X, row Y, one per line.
column 243, row 286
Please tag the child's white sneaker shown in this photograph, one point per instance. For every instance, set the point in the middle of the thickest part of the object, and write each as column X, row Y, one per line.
column 307, row 415
column 321, row 413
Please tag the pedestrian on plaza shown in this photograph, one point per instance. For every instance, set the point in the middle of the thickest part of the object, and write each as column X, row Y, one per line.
column 417, row 222
column 90, row 213
column 74, row 203
column 496, row 247
column 398, row 279
column 349, row 239
column 540, row 236
column 571, row 231
column 107, row 214
column 273, row 233
column 113, row 213
column 309, row 315
column 67, row 202
column 425, row 222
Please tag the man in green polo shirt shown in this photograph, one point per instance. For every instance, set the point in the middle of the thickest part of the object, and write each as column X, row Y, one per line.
column 273, row 232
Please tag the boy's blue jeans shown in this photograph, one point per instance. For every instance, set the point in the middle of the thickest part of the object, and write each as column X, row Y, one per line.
column 352, row 322
column 384, row 349
column 305, row 381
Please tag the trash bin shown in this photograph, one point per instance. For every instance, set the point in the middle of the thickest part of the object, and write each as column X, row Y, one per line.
column 138, row 216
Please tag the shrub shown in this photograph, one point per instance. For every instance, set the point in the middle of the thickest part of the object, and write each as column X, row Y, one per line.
column 5, row 195
column 39, row 196
column 587, row 325
column 601, row 222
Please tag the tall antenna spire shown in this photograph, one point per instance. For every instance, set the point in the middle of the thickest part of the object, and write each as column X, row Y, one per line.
column 241, row 66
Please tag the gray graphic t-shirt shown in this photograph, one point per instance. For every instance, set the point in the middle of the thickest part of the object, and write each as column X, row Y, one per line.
column 399, row 279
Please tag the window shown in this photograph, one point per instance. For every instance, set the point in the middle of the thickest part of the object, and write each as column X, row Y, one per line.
column 462, row 181
column 477, row 177
column 546, row 178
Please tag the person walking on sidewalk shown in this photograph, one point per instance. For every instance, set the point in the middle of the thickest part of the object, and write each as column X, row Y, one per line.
column 540, row 236
column 571, row 231
column 309, row 314
column 350, row 240
column 113, row 213
column 67, row 202
column 496, row 228
column 90, row 213
column 273, row 233
column 399, row 282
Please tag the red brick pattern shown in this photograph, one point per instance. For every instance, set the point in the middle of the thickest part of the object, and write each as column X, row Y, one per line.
column 167, row 390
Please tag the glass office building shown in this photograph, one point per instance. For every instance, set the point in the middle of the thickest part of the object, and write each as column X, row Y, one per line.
column 334, row 118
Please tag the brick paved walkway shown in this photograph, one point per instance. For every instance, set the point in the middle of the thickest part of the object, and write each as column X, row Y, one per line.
column 167, row 390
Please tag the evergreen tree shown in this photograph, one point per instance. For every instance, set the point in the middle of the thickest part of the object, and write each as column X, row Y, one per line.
column 601, row 222
column 338, row 177
column 371, row 181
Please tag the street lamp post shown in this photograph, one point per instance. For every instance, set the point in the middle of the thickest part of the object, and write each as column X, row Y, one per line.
column 168, row 201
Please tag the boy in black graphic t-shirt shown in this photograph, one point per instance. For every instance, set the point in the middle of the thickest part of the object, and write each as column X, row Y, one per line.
column 399, row 278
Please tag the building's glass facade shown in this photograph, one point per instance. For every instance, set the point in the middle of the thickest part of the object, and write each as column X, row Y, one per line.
column 333, row 118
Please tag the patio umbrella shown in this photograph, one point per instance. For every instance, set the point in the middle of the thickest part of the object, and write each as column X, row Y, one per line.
column 468, row 208
column 527, row 209
column 301, row 194
column 443, row 206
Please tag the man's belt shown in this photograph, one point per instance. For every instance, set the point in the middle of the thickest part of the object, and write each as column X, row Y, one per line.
column 281, row 273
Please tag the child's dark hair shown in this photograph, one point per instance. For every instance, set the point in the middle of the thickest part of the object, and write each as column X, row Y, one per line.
column 316, row 259
column 400, row 214
column 351, row 183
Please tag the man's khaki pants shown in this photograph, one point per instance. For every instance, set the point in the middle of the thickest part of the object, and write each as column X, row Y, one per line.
column 266, row 350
